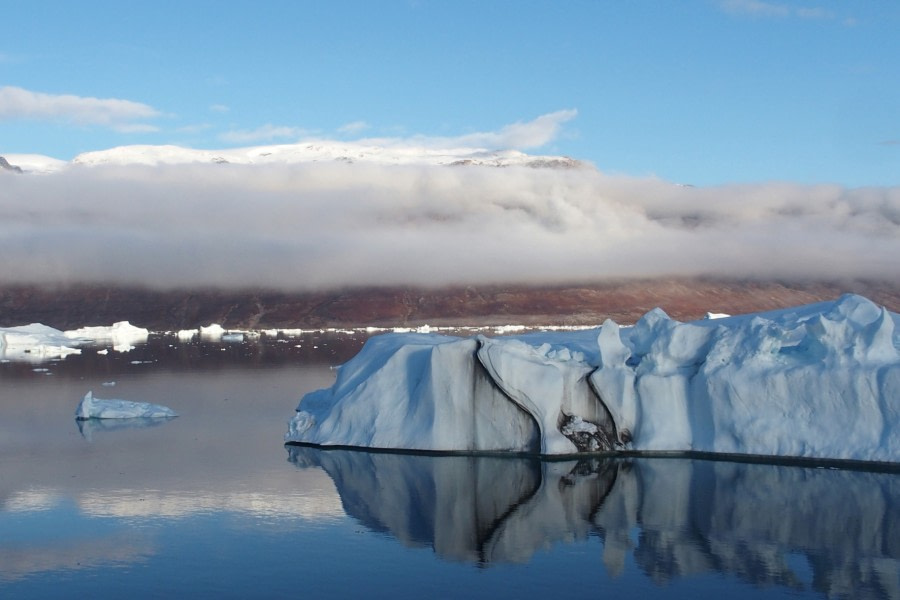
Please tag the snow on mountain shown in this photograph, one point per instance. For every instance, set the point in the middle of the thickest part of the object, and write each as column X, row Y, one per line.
column 817, row 381
column 386, row 153
column 35, row 163
column 321, row 151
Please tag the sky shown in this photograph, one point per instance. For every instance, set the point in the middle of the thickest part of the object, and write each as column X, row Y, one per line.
column 739, row 138
column 702, row 91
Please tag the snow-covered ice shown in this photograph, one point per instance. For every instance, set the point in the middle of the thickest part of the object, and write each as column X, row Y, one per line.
column 97, row 408
column 817, row 381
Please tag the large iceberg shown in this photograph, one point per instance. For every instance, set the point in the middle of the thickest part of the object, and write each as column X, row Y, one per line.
column 818, row 381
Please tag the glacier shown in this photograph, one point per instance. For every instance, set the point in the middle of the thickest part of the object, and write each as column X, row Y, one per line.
column 820, row 381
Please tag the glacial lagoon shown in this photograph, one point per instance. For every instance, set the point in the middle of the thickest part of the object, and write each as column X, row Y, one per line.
column 212, row 504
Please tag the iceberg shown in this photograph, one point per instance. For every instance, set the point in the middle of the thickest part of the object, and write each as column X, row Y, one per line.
column 820, row 381
column 35, row 343
column 122, row 335
column 96, row 408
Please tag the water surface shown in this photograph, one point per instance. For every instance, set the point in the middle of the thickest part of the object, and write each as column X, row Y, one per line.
column 211, row 504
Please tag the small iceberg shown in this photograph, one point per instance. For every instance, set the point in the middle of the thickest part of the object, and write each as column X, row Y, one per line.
column 96, row 408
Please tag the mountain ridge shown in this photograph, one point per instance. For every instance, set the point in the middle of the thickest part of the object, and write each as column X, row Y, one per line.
column 624, row 301
column 380, row 152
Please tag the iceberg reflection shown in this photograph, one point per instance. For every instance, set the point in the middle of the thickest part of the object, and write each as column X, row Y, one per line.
column 835, row 532
column 89, row 427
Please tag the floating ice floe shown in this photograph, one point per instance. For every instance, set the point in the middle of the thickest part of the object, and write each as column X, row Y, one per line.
column 212, row 332
column 817, row 381
column 37, row 342
column 122, row 335
column 96, row 408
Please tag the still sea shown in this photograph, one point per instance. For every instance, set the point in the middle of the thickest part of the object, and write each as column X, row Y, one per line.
column 211, row 504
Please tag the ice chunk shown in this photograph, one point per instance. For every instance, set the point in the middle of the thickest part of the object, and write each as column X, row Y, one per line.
column 122, row 335
column 36, row 343
column 414, row 391
column 96, row 408
column 715, row 315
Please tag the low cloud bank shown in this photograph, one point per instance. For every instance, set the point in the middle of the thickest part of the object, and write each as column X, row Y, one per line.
column 321, row 225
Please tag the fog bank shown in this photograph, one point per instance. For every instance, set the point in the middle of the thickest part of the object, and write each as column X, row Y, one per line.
column 320, row 225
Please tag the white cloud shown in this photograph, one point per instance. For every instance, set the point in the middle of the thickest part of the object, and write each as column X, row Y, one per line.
column 19, row 103
column 265, row 133
column 759, row 8
column 531, row 134
column 517, row 136
column 219, row 108
column 317, row 225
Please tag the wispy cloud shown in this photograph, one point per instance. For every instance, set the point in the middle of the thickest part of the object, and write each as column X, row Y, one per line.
column 761, row 9
column 265, row 133
column 353, row 128
column 522, row 135
column 115, row 113
column 219, row 108
column 319, row 225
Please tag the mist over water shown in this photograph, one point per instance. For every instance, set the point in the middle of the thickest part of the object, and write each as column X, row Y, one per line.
column 320, row 225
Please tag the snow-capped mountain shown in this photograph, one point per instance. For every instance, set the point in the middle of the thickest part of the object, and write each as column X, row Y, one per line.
column 321, row 151
column 5, row 166
column 304, row 152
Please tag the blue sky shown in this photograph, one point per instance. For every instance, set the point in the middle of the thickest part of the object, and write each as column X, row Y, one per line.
column 700, row 91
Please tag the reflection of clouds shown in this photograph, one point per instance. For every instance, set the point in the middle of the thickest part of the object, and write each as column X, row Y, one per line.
column 836, row 532
column 174, row 505
column 133, row 503
column 32, row 500
column 20, row 561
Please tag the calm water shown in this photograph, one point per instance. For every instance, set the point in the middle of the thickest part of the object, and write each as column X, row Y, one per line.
column 211, row 504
